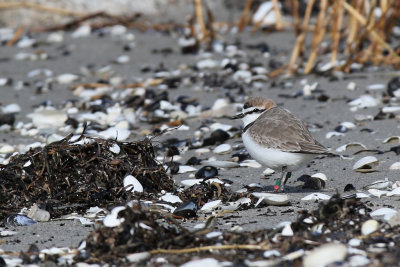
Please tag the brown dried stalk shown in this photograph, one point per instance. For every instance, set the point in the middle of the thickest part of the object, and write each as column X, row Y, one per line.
column 338, row 18
column 199, row 17
column 16, row 36
column 278, row 15
column 60, row 11
column 243, row 21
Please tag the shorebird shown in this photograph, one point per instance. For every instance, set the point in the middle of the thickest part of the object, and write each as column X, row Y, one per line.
column 276, row 138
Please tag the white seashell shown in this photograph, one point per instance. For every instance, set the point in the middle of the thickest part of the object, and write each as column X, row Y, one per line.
column 6, row 149
column 26, row 42
column 82, row 31
column 11, row 108
column 268, row 171
column 362, row 195
column 321, row 176
column 207, row 64
column 307, row 89
column 49, row 118
column 220, row 163
column 168, row 197
column 27, row 164
column 7, row 233
column 138, row 257
column 376, row 192
column 38, row 215
column 364, row 101
column 383, row 212
column 325, row 255
column 348, row 124
column 391, row 109
column 332, row 134
column 55, row 37
column 316, row 197
column 396, row 184
column 343, row 148
column 213, row 234
column 250, row 163
column 66, row 78
column 381, row 184
column 294, row 255
column 210, row 206
column 369, row 227
column 272, row 199
column 202, row 151
column 351, row 86
column 185, row 169
column 378, row 86
column 269, row 253
column 220, row 126
column 359, row 260
column 393, row 219
column 394, row 193
column 132, row 184
column 354, row 242
column 222, row 149
column 119, row 134
column 112, row 220
column 209, row 262
column 4, row 81
column 115, row 149
column 242, row 75
column 366, row 164
column 265, row 14
column 395, row 166
column 392, row 139
column 287, row 230
column 123, row 59
column 191, row 182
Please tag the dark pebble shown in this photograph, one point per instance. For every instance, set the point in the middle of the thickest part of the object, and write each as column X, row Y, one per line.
column 393, row 85
column 349, row 187
column 193, row 161
column 188, row 209
column 7, row 119
column 206, row 172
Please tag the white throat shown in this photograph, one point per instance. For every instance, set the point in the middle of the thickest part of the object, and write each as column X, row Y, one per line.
column 249, row 118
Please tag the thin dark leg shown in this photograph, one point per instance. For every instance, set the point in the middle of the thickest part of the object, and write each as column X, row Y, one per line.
column 280, row 184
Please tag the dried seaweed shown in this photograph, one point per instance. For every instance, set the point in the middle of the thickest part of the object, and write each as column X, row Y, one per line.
column 67, row 176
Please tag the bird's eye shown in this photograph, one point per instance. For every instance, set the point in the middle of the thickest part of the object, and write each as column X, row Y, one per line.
column 246, row 105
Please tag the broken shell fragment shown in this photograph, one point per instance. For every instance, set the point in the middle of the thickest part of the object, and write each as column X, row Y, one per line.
column 132, row 184
column 49, row 118
column 369, row 227
column 272, row 199
column 210, row 206
column 380, row 184
column 38, row 214
column 316, row 197
column 366, row 164
column 325, row 255
column 18, row 220
column 188, row 209
column 345, row 147
column 222, row 149
column 392, row 139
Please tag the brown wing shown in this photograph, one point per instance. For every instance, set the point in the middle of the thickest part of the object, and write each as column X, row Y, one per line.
column 279, row 129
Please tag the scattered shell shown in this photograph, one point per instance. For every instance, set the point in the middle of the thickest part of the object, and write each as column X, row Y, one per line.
column 250, row 163
column 393, row 219
column 220, row 163
column 115, row 149
column 344, row 148
column 6, row 149
column 18, row 220
column 206, row 172
column 209, row 262
column 272, row 199
column 369, row 227
column 132, row 184
column 11, row 108
column 351, row 86
column 354, row 242
column 325, row 255
column 366, row 164
column 66, row 78
column 264, row 15
column 222, row 149
column 390, row 109
column 380, row 184
column 394, row 166
column 188, row 209
column 377, row 193
column 112, row 220
column 392, row 139
column 185, row 169
column 168, row 197
column 316, row 197
column 332, row 134
column 287, row 230
column 320, row 175
column 394, row 193
column 364, row 101
column 210, row 206
column 137, row 257
column 49, row 118
column 268, row 171
column 119, row 134
column 38, row 215
column 377, row 86
column 269, row 253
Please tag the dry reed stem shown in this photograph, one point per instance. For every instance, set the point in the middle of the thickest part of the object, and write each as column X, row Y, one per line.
column 60, row 11
column 319, row 33
column 16, row 36
column 354, row 26
column 336, row 30
column 295, row 15
column 242, row 23
column 299, row 46
column 278, row 15
column 207, row 248
column 363, row 21
column 199, row 17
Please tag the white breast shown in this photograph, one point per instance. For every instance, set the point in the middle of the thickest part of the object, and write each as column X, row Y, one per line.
column 274, row 158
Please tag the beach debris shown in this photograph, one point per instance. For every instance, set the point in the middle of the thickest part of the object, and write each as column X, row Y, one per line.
column 366, row 164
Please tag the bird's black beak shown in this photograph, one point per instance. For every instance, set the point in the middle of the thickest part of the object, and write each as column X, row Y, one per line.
column 238, row 116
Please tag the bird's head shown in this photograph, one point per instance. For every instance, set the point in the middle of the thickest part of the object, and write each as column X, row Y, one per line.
column 253, row 108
